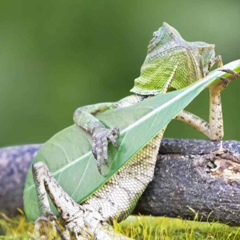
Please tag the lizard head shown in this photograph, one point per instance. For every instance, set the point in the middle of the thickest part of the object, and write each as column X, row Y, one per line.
column 172, row 63
column 206, row 55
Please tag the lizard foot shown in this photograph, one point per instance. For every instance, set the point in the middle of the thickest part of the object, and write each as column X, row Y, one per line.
column 91, row 225
column 226, row 81
column 219, row 87
column 89, row 230
column 233, row 73
column 101, row 136
column 48, row 228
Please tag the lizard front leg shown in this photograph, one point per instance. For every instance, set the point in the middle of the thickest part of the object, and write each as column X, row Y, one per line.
column 214, row 129
column 84, row 117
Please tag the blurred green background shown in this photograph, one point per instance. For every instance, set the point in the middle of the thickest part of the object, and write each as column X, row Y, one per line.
column 58, row 55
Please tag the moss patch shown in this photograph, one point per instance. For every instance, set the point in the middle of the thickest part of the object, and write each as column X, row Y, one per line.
column 147, row 228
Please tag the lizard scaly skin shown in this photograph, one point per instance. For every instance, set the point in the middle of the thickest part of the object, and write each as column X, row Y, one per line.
column 171, row 63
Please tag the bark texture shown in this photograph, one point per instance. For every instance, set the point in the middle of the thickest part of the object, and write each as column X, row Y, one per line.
column 187, row 180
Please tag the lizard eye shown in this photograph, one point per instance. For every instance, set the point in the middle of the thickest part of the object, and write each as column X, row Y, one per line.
column 209, row 65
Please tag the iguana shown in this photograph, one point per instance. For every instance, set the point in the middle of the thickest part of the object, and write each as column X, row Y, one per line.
column 171, row 63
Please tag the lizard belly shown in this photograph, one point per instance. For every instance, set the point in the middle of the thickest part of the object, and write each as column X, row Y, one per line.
column 118, row 197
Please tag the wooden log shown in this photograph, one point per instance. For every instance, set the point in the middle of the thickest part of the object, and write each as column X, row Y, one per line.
column 14, row 164
column 186, row 181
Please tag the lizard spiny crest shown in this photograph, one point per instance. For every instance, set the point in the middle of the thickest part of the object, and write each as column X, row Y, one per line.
column 172, row 62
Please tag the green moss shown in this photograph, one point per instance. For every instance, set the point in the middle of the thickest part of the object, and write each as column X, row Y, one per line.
column 15, row 228
column 147, row 228
column 160, row 228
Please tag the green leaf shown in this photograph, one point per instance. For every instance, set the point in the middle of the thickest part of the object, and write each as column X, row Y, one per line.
column 69, row 157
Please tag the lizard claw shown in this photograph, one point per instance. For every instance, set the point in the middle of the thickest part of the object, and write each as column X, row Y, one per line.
column 220, row 86
column 234, row 76
column 225, row 82
column 115, row 133
column 101, row 136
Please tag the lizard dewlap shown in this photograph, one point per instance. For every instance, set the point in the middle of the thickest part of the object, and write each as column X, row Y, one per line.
column 172, row 62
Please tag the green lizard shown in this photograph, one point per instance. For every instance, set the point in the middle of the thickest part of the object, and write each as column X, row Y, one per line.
column 171, row 63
